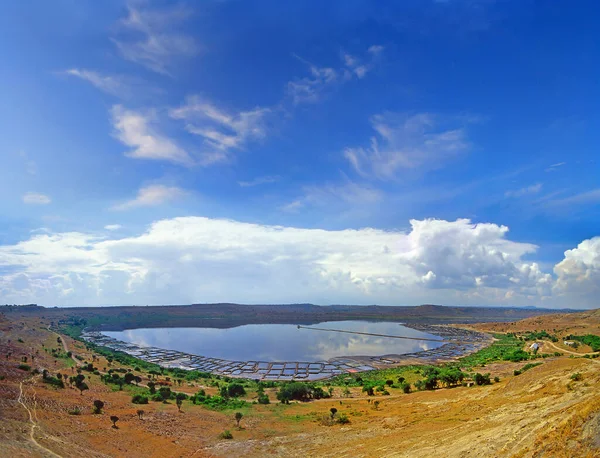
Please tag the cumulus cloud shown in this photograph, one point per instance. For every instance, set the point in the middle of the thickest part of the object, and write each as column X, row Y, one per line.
column 578, row 274
column 221, row 131
column 190, row 259
column 137, row 131
column 422, row 140
column 152, row 38
column 150, row 196
column 35, row 198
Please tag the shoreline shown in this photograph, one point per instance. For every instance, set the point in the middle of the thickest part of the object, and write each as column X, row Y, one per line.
column 467, row 341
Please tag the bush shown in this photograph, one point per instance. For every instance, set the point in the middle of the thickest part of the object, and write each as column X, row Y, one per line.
column 24, row 367
column 139, row 399
column 263, row 399
column 54, row 381
column 405, row 387
column 516, row 372
column 496, row 379
column 74, row 411
column 481, row 379
column 517, row 355
column 342, row 419
column 226, row 435
column 576, row 377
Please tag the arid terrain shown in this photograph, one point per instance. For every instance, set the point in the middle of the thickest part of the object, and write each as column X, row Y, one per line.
column 552, row 409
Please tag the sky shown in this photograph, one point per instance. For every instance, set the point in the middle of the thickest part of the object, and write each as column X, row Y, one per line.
column 343, row 152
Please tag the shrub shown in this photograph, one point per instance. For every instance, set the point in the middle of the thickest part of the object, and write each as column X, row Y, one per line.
column 496, row 379
column 74, row 411
column 226, row 435
column 24, row 367
column 481, row 379
column 576, row 377
column 342, row 419
column 516, row 372
column 139, row 399
column 263, row 399
column 405, row 387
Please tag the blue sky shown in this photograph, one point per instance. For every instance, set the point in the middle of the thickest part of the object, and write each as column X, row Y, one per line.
column 293, row 126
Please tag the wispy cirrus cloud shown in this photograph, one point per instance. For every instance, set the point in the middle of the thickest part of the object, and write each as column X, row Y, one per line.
column 137, row 130
column 348, row 192
column 114, row 85
column 310, row 89
column 418, row 141
column 152, row 37
column 260, row 180
column 527, row 190
column 150, row 196
column 582, row 198
column 222, row 131
column 36, row 198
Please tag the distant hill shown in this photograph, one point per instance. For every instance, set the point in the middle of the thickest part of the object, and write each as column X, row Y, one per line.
column 224, row 315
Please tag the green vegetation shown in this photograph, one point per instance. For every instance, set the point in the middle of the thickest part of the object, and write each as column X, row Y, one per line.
column 589, row 339
column 226, row 435
column 217, row 402
column 576, row 377
column 24, row 367
column 139, row 399
column 507, row 347
column 526, row 367
column 299, row 391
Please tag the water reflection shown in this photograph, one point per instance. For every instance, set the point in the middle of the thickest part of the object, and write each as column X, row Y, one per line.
column 281, row 342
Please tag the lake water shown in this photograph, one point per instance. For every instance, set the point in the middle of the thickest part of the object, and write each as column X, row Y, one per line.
column 282, row 342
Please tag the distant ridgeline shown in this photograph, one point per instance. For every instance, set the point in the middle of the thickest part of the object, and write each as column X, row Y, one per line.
column 226, row 315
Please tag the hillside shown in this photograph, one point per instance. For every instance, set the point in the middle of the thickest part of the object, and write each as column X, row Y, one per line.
column 552, row 409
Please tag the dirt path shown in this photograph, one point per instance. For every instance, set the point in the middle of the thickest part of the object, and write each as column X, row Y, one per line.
column 33, row 422
column 569, row 351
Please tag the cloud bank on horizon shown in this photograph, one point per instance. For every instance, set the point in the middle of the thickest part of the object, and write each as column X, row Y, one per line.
column 197, row 259
column 162, row 151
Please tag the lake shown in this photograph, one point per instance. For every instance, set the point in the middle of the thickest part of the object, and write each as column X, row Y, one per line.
column 282, row 342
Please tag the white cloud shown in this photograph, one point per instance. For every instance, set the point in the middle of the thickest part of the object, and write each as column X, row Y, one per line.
column 113, row 227
column 587, row 197
column 189, row 259
column 528, row 190
column 152, row 195
column 110, row 84
column 579, row 275
column 555, row 167
column 35, row 198
column 135, row 130
column 152, row 38
column 407, row 142
column 260, row 180
column 311, row 88
column 333, row 194
column 221, row 131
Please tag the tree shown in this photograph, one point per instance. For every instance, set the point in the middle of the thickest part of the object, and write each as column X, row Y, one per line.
column 114, row 420
column 405, row 387
column 389, row 382
column 140, row 413
column 179, row 400
column 129, row 377
column 333, row 411
column 238, row 418
column 369, row 389
column 152, row 387
column 98, row 406
column 82, row 387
